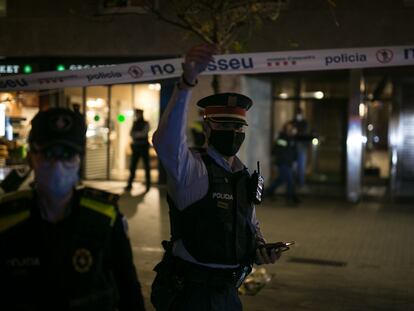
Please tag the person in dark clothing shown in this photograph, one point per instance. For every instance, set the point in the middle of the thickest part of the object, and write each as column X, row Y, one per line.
column 215, row 235
column 285, row 152
column 302, row 144
column 140, row 149
column 63, row 248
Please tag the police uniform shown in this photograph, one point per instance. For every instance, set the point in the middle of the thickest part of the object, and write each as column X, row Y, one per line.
column 83, row 262
column 140, row 149
column 214, row 230
column 284, row 151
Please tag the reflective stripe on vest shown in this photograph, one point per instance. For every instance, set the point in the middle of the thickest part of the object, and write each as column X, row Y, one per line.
column 105, row 209
column 282, row 142
column 6, row 222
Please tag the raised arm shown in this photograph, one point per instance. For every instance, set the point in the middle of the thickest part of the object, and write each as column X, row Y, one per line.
column 170, row 140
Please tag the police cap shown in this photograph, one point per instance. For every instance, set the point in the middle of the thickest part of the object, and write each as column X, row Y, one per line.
column 226, row 107
column 58, row 126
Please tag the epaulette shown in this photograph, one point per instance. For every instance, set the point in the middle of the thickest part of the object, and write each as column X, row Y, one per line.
column 14, row 208
column 100, row 195
column 16, row 196
column 100, row 201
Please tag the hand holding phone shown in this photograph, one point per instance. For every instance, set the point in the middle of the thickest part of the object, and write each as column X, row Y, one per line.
column 282, row 246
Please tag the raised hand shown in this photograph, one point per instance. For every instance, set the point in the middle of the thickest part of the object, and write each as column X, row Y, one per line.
column 196, row 61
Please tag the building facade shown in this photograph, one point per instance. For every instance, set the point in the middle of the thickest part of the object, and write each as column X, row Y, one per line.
column 374, row 103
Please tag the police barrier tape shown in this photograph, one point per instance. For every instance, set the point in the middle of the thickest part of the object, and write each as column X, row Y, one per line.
column 268, row 62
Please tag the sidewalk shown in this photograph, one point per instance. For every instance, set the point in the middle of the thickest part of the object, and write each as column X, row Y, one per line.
column 346, row 257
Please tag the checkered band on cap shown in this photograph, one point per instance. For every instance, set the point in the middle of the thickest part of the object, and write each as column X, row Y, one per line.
column 226, row 107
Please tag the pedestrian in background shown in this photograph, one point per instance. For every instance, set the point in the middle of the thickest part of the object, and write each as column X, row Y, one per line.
column 284, row 153
column 63, row 248
column 140, row 149
column 302, row 145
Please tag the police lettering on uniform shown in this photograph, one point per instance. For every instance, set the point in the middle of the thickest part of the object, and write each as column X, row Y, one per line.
column 215, row 236
column 63, row 248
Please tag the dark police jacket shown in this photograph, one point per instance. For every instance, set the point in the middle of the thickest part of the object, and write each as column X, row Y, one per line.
column 140, row 127
column 218, row 228
column 81, row 263
column 284, row 150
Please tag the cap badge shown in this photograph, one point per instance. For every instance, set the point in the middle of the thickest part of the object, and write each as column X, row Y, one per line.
column 61, row 123
column 232, row 101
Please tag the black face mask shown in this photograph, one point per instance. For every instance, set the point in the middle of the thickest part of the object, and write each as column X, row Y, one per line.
column 226, row 142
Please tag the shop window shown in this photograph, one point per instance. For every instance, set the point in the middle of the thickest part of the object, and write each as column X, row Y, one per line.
column 3, row 7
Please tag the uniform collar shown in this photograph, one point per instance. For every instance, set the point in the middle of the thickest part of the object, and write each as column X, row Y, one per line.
column 36, row 209
column 218, row 158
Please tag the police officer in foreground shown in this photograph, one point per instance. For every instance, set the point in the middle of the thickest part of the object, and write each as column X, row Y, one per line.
column 215, row 236
column 62, row 248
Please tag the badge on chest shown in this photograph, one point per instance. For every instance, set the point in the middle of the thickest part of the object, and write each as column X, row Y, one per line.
column 82, row 260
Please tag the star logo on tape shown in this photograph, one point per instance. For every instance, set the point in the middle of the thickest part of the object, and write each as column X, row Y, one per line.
column 82, row 260
column 384, row 56
column 135, row 72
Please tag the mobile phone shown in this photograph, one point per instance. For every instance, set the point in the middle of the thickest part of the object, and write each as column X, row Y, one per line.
column 283, row 246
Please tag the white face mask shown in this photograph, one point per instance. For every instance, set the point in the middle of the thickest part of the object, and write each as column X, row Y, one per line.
column 299, row 117
column 56, row 180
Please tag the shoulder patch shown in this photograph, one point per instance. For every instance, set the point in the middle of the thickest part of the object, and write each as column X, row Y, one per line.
column 106, row 209
column 100, row 195
column 17, row 195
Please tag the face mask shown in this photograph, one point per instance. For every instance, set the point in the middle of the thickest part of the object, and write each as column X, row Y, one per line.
column 56, row 180
column 299, row 117
column 226, row 142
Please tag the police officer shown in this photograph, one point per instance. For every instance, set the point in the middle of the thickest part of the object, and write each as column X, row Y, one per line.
column 284, row 152
column 215, row 236
column 140, row 149
column 63, row 248
column 302, row 143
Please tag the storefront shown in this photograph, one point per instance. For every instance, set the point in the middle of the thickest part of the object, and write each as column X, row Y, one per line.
column 359, row 119
column 383, row 107
column 109, row 112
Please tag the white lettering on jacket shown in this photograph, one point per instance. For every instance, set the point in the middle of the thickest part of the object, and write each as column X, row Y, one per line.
column 225, row 196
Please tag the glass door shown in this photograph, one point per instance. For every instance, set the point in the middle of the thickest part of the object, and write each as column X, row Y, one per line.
column 97, row 135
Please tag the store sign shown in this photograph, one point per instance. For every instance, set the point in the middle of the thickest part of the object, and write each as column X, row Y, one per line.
column 269, row 62
column 9, row 69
